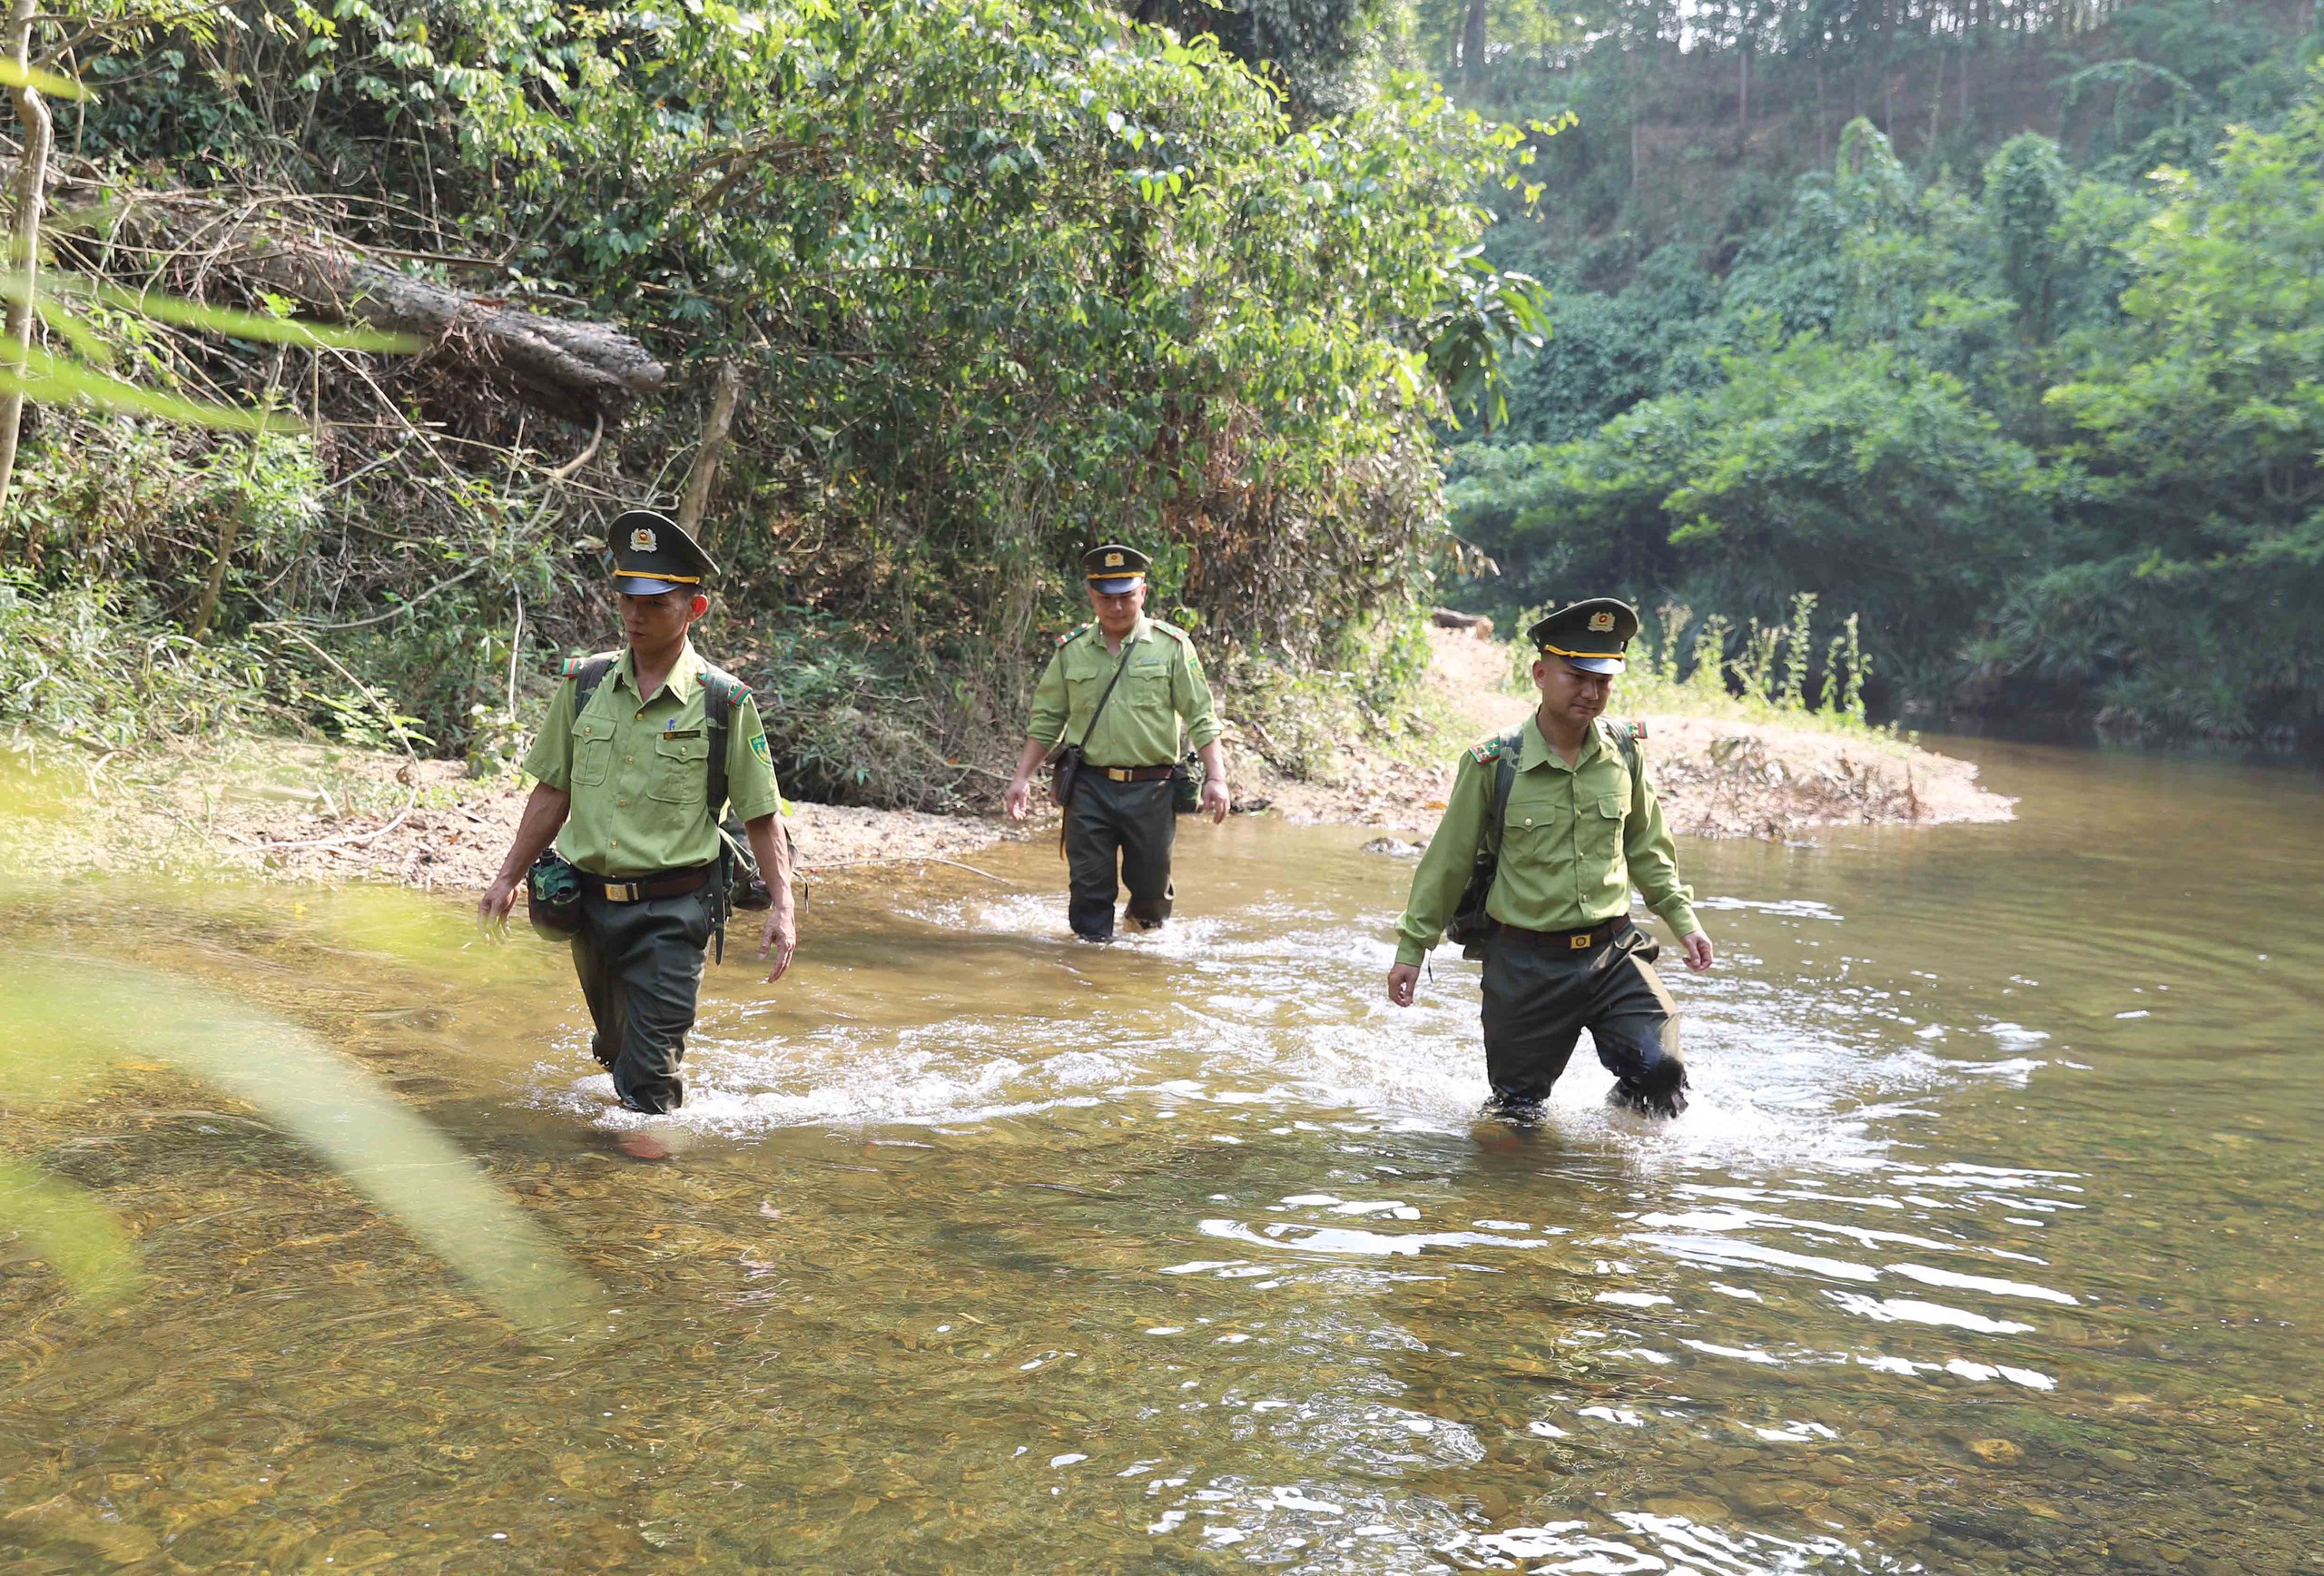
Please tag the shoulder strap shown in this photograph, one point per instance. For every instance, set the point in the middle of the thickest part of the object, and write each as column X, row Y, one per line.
column 721, row 693
column 1504, row 778
column 1626, row 737
column 587, row 676
column 1127, row 646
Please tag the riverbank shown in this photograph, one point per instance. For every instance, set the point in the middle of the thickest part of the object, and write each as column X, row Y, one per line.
column 309, row 812
column 1718, row 776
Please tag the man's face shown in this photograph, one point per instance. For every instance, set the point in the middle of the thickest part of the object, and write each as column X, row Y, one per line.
column 656, row 621
column 1117, row 611
column 1568, row 692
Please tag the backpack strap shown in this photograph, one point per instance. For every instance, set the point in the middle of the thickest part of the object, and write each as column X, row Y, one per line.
column 721, row 691
column 1627, row 737
column 1506, row 749
column 588, row 674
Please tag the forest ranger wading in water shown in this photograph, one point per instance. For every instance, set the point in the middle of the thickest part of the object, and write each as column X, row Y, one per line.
column 623, row 784
column 1105, row 716
column 1564, row 803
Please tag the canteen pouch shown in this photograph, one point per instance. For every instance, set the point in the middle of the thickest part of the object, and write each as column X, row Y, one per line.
column 1469, row 926
column 1186, row 785
column 552, row 897
column 1065, row 765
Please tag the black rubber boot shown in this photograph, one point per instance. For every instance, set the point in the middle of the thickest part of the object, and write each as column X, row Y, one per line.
column 1518, row 1109
column 1659, row 1091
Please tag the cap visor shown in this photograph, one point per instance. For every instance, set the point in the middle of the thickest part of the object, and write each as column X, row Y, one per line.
column 1595, row 663
column 632, row 586
column 1115, row 585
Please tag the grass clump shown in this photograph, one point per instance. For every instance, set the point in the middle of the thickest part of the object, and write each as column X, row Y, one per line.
column 1769, row 673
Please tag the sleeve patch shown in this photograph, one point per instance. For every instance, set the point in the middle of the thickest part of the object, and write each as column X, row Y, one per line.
column 758, row 748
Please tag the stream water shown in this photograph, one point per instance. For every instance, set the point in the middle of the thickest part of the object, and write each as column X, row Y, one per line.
column 1988, row 1245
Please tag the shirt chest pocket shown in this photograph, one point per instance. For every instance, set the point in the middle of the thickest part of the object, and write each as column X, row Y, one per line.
column 593, row 751
column 1601, row 824
column 681, row 773
column 1148, row 683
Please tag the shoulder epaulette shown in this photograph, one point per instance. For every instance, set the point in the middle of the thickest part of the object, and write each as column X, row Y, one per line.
column 574, row 665
column 1487, row 751
column 1067, row 637
column 1173, row 631
column 1637, row 731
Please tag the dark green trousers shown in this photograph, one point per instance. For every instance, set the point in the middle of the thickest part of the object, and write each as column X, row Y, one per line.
column 641, row 968
column 1117, row 834
column 1541, row 994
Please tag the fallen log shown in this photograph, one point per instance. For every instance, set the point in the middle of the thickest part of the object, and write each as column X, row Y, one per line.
column 1476, row 624
column 581, row 372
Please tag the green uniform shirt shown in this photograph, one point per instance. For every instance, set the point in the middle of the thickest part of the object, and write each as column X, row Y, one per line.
column 1162, row 686
column 638, row 769
column 1573, row 841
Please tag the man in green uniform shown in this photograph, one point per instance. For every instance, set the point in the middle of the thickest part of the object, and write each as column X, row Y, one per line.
column 1119, row 688
column 1578, row 828
column 622, row 784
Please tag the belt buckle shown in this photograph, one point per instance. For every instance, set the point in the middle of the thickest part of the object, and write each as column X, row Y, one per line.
column 1117, row 773
column 621, row 891
column 1579, row 943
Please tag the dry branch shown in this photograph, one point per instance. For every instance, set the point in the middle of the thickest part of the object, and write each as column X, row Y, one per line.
column 581, row 372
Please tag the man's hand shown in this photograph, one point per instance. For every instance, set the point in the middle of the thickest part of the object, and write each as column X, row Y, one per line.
column 1216, row 801
column 492, row 908
column 779, row 937
column 1698, row 950
column 1403, row 981
column 1021, row 792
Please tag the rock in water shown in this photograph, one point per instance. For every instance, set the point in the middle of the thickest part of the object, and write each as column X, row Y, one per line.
column 1393, row 848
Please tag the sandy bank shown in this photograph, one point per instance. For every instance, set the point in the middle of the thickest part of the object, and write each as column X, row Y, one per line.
column 307, row 812
column 1717, row 777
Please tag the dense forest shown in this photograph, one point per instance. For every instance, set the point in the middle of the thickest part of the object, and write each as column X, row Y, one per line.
column 1997, row 323
column 902, row 304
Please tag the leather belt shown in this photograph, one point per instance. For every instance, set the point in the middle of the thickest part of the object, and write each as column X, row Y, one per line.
column 637, row 888
column 1133, row 773
column 1574, row 941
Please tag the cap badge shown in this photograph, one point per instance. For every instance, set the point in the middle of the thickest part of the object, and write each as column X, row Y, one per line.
column 642, row 540
column 1601, row 621
column 1113, row 560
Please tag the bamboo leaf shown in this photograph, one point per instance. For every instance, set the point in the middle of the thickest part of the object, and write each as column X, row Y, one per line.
column 51, row 380
column 226, row 321
column 39, row 81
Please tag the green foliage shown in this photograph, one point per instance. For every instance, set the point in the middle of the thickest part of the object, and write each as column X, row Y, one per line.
column 1858, row 475
column 1773, row 675
column 86, row 665
column 2057, row 435
column 1000, row 279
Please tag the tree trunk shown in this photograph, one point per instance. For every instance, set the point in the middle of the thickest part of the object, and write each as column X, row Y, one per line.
column 714, row 428
column 1743, row 95
column 23, row 236
column 1936, row 98
column 581, row 372
column 1473, row 45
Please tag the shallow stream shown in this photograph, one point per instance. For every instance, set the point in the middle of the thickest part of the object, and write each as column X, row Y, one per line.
column 1990, row 1243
